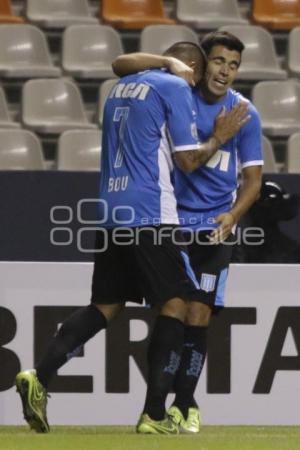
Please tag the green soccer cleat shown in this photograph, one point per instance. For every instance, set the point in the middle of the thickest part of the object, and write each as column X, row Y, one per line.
column 190, row 425
column 34, row 400
column 146, row 425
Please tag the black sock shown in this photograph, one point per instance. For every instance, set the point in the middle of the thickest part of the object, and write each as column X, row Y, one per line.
column 75, row 331
column 163, row 359
column 191, row 365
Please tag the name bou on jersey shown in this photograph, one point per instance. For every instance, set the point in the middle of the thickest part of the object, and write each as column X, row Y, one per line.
column 117, row 184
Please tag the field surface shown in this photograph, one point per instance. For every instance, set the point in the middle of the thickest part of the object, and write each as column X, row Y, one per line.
column 124, row 438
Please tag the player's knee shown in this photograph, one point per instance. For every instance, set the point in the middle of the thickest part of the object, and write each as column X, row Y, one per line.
column 175, row 308
column 110, row 311
column 198, row 314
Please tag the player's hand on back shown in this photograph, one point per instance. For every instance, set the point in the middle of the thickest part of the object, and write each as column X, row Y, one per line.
column 227, row 124
column 181, row 69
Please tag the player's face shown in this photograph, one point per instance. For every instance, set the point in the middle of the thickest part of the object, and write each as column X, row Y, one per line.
column 221, row 71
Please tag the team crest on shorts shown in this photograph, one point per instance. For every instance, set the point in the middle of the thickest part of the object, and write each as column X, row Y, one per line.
column 208, row 282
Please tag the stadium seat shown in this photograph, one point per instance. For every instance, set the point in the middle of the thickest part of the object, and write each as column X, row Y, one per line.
column 294, row 52
column 53, row 106
column 157, row 38
column 259, row 59
column 293, row 154
column 6, row 15
column 104, row 90
column 88, row 50
column 24, row 53
column 5, row 119
column 59, row 13
column 270, row 165
column 208, row 14
column 278, row 103
column 276, row 14
column 19, row 150
column 133, row 14
column 79, row 150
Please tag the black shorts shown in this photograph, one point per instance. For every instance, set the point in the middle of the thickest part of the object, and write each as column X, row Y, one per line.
column 149, row 262
column 210, row 264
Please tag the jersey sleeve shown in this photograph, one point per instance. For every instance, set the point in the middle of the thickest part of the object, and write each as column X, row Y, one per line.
column 181, row 120
column 250, row 141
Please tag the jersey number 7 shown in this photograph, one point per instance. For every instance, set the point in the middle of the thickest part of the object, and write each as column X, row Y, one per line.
column 121, row 115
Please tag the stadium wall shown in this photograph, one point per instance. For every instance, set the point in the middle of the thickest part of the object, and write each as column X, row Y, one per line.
column 252, row 371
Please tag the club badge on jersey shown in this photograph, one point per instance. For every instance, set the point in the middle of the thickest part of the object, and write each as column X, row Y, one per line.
column 208, row 282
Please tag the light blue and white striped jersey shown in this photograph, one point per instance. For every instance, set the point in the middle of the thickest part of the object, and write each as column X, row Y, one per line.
column 142, row 114
column 211, row 189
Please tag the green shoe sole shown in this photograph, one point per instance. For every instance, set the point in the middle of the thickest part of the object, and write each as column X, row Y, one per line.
column 32, row 417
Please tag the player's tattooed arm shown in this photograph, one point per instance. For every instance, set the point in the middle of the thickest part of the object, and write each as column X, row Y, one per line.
column 226, row 126
column 190, row 160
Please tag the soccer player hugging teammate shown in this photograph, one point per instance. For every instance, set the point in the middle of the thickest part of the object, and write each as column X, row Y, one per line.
column 210, row 203
column 136, row 256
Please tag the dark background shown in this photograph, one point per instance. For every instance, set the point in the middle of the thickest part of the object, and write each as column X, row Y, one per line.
column 26, row 199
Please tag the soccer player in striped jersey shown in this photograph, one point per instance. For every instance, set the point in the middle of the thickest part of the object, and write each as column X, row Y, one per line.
column 135, row 254
column 209, row 201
